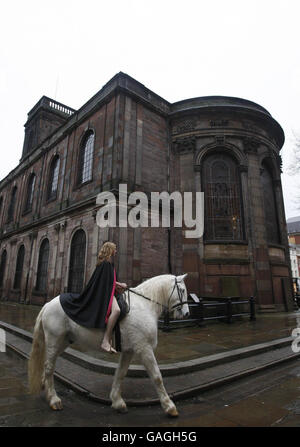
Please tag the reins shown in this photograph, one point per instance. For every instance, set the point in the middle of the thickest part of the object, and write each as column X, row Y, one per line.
column 145, row 297
column 166, row 308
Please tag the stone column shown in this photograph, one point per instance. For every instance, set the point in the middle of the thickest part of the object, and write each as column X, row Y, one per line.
column 31, row 270
column 126, row 143
column 286, row 282
column 261, row 262
column 139, row 147
column 95, row 247
column 137, row 241
column 185, row 148
column 52, row 269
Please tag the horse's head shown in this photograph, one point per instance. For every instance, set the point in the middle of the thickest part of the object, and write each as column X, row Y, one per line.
column 178, row 297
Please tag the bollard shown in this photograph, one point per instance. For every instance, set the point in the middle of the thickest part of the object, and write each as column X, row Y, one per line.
column 200, row 312
column 2, row 340
column 166, row 326
column 229, row 310
column 252, row 308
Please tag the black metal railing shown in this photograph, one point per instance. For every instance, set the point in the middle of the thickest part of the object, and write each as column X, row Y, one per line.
column 297, row 299
column 207, row 308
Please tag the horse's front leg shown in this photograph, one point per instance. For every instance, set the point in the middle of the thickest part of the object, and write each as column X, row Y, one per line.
column 150, row 363
column 121, row 371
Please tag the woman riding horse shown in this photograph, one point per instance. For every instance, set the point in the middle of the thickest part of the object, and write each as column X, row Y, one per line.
column 55, row 328
column 96, row 306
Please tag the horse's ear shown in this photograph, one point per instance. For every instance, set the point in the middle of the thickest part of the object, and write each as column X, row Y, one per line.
column 182, row 277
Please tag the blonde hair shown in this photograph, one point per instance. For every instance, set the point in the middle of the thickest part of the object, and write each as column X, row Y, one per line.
column 106, row 251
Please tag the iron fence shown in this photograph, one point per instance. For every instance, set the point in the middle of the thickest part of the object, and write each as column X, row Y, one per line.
column 207, row 308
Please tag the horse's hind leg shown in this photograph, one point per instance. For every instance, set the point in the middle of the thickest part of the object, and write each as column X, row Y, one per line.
column 115, row 394
column 54, row 347
column 150, row 363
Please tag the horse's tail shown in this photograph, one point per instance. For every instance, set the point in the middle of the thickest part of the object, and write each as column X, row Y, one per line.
column 37, row 356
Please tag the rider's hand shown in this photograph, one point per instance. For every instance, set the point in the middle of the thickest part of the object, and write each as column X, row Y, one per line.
column 122, row 285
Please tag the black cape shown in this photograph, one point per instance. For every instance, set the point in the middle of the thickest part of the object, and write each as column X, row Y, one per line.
column 91, row 307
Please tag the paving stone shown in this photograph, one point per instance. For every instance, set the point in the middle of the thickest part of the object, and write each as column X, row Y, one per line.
column 182, row 345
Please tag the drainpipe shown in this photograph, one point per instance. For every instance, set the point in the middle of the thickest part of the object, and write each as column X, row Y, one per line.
column 168, row 188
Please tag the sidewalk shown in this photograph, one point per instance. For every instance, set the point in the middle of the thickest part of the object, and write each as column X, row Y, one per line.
column 190, row 342
column 191, row 359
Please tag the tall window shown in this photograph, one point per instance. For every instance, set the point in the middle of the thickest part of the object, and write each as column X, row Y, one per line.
column 29, row 194
column 19, row 267
column 86, row 158
column 12, row 204
column 2, row 267
column 53, row 178
column 223, row 201
column 42, row 273
column 270, row 208
column 77, row 262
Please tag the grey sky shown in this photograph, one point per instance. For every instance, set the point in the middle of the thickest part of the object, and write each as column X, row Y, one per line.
column 68, row 49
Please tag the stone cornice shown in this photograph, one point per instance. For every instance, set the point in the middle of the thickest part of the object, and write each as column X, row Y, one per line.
column 184, row 144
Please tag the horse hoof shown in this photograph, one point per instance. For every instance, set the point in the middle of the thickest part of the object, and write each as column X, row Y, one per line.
column 173, row 413
column 56, row 405
column 121, row 410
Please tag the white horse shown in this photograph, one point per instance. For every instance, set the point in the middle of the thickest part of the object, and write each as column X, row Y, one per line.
column 54, row 331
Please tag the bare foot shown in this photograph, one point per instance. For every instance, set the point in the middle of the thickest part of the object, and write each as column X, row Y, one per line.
column 108, row 348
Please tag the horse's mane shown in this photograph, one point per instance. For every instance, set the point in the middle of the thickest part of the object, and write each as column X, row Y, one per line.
column 153, row 289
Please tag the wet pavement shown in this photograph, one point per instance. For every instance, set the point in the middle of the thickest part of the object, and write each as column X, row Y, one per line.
column 186, row 343
column 268, row 399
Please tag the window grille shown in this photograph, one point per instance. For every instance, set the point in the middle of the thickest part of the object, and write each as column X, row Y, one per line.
column 86, row 159
column 2, row 267
column 77, row 262
column 53, row 179
column 11, row 208
column 42, row 273
column 270, row 209
column 223, row 201
column 19, row 267
column 30, row 191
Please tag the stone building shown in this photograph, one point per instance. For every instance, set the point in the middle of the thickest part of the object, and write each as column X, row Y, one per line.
column 227, row 147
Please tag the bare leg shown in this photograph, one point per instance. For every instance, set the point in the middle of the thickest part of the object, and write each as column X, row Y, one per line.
column 114, row 315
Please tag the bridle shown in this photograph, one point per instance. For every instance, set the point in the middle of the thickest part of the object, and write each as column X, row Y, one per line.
column 180, row 293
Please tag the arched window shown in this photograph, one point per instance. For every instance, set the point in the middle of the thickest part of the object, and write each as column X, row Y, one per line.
column 19, row 267
column 86, row 158
column 42, row 273
column 270, row 209
column 2, row 267
column 77, row 262
column 223, row 209
column 29, row 193
column 12, row 204
column 53, row 178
